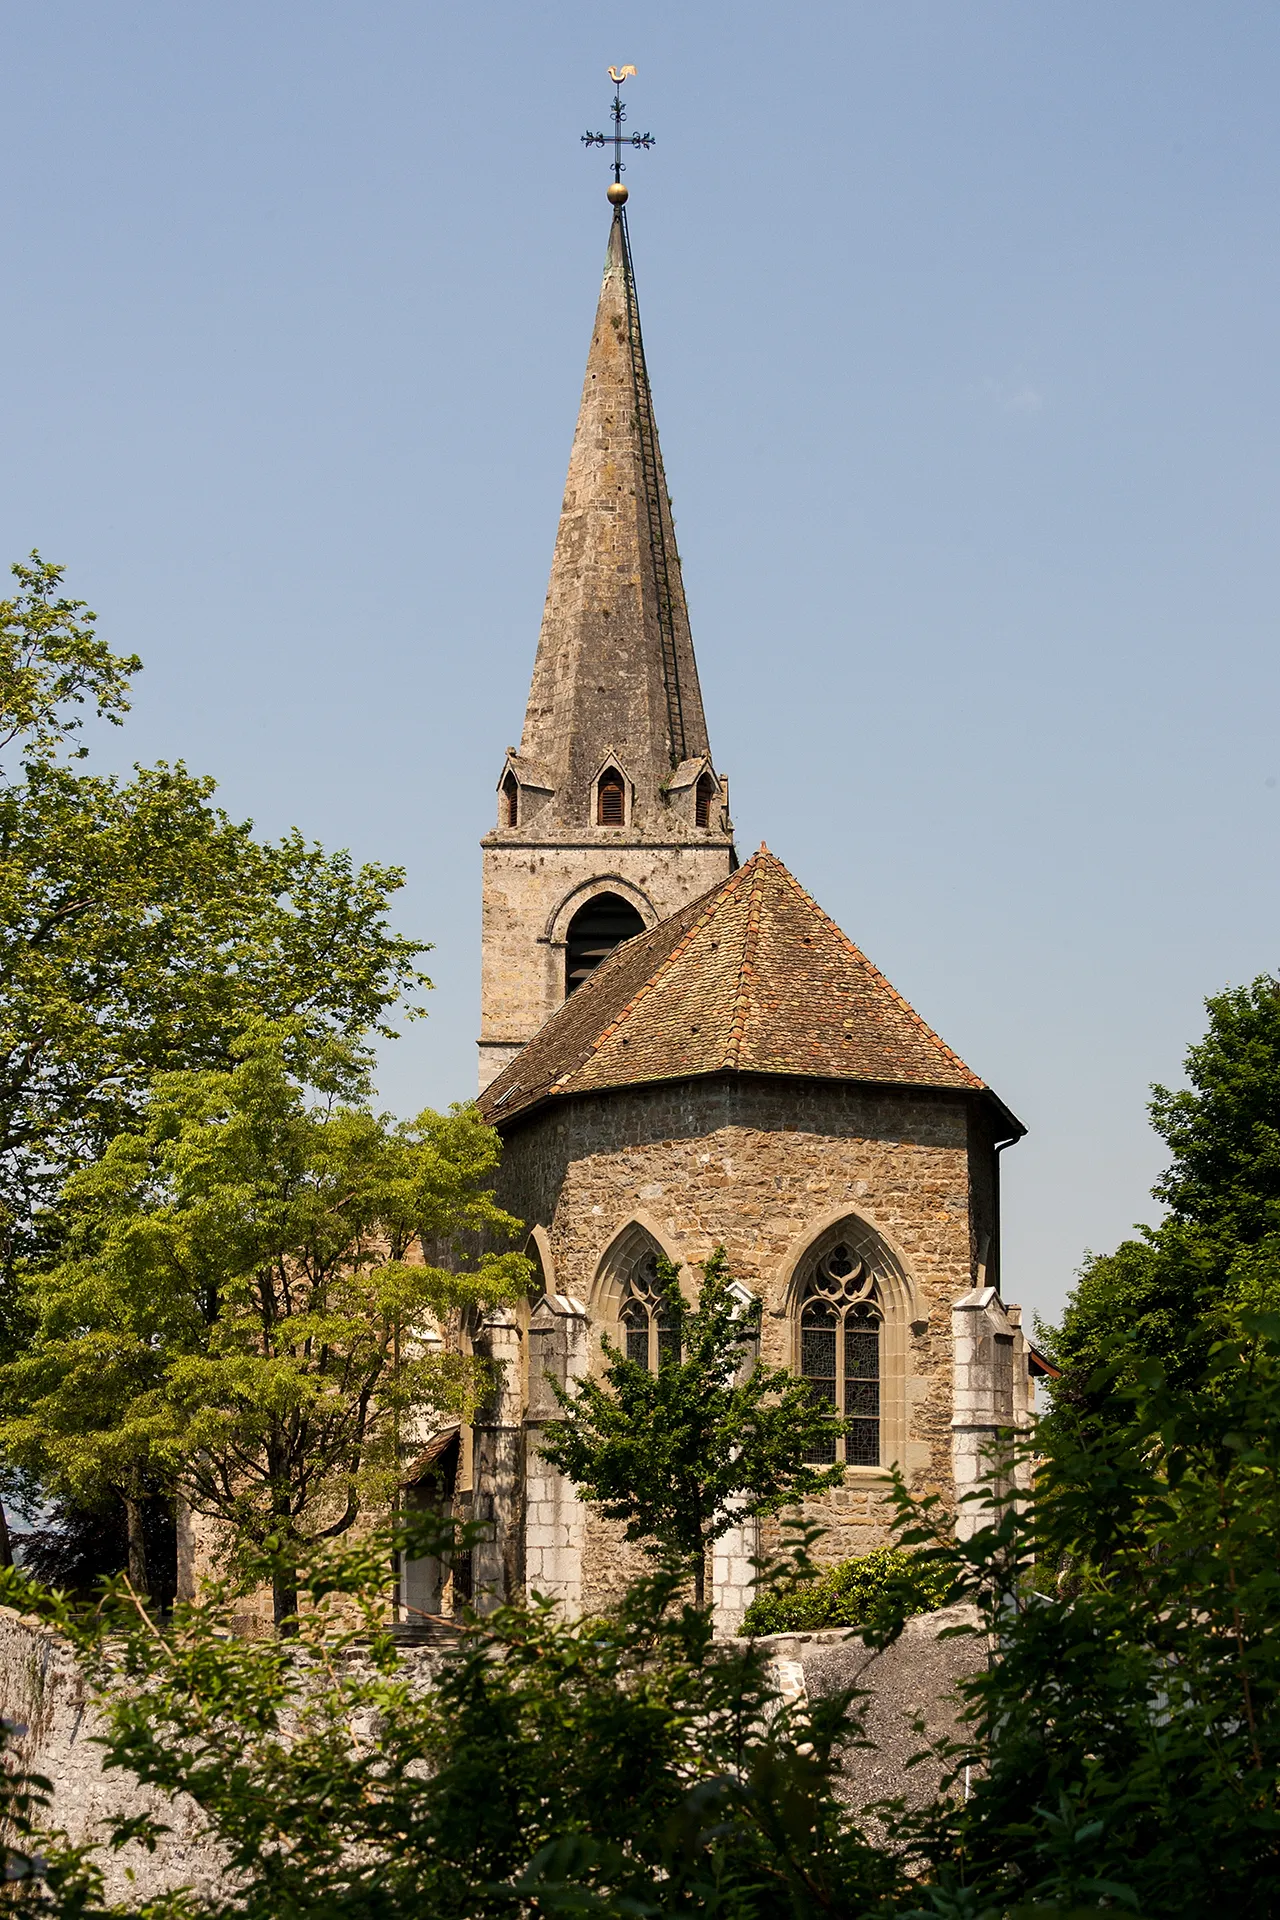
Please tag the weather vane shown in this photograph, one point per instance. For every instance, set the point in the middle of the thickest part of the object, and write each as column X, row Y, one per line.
column 617, row 192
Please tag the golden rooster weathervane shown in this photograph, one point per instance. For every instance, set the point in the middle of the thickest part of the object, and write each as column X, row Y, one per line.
column 617, row 192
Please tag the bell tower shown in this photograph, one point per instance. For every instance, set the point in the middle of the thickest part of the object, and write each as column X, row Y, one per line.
column 611, row 814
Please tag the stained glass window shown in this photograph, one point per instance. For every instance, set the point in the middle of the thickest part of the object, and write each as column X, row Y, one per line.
column 635, row 1326
column 650, row 1333
column 840, row 1330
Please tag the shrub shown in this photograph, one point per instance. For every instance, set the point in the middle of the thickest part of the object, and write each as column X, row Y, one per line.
column 874, row 1590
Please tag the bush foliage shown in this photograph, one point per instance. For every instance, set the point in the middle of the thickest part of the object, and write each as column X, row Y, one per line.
column 876, row 1590
column 1120, row 1753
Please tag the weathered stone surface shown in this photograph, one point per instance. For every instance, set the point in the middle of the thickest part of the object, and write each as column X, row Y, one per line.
column 43, row 1688
column 534, row 884
column 555, row 1515
column 765, row 1168
column 615, row 684
column 600, row 682
column 753, row 977
column 913, row 1680
column 738, row 1073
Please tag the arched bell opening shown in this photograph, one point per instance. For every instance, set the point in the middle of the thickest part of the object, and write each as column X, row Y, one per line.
column 611, row 799
column 594, row 931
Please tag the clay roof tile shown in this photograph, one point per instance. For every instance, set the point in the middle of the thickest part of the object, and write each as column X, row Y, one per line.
column 753, row 977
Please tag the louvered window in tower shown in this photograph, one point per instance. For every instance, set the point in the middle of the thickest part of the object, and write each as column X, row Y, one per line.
column 704, row 799
column 511, row 801
column 594, row 931
column 840, row 1331
column 611, row 800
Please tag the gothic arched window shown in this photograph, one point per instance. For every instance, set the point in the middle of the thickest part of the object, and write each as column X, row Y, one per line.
column 510, row 801
column 841, row 1323
column 649, row 1331
column 704, row 797
column 593, row 933
column 611, row 799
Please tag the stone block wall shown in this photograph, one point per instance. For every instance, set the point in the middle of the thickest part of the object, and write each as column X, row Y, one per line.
column 555, row 1518
column 992, row 1397
column 764, row 1168
column 531, row 891
column 497, row 1557
column 43, row 1689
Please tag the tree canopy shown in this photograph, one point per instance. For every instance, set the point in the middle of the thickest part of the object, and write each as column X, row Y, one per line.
column 140, row 927
column 1118, row 1748
column 1163, row 1292
column 52, row 663
column 142, row 930
column 1122, row 1749
column 242, row 1308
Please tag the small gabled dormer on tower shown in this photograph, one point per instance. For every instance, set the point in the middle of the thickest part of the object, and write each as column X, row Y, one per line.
column 611, row 814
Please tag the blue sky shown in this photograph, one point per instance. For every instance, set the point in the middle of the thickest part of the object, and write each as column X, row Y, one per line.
column 962, row 324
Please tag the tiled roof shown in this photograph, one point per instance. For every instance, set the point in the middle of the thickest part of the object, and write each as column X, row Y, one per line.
column 751, row 978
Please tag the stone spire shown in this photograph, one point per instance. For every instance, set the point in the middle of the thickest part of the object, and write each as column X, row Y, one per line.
column 615, row 670
column 611, row 797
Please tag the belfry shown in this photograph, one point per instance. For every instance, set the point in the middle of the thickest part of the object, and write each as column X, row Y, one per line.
column 682, row 1053
column 610, row 812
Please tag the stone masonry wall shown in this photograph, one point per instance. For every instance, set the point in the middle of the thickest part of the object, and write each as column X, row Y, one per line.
column 43, row 1689
column 763, row 1168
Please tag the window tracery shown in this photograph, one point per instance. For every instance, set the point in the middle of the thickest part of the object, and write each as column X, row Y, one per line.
column 841, row 1325
column 649, row 1331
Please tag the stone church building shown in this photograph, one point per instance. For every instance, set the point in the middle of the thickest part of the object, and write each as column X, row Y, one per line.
column 682, row 1052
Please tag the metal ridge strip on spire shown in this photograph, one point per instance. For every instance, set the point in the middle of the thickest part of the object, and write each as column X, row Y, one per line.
column 652, row 477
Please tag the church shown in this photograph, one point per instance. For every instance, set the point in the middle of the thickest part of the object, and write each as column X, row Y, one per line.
column 681, row 1051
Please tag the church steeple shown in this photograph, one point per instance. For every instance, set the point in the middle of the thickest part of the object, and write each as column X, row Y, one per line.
column 615, row 668
column 611, row 815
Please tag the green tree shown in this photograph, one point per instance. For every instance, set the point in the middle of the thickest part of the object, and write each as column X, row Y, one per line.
column 1218, row 1241
column 885, row 1585
column 1119, row 1748
column 1123, row 1748
column 51, row 663
column 712, row 1439
column 241, row 1307
column 139, row 926
column 625, row 1764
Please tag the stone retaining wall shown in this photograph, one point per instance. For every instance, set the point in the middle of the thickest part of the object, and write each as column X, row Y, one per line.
column 43, row 1688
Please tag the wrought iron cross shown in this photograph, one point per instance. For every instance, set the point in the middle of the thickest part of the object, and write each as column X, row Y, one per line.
column 618, row 137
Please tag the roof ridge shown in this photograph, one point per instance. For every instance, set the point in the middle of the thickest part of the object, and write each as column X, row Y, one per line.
column 746, row 966
column 718, row 895
column 871, row 967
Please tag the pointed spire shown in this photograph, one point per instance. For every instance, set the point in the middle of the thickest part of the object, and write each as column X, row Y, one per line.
column 615, row 673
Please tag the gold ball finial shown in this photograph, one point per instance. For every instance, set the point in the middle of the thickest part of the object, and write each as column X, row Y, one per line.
column 617, row 194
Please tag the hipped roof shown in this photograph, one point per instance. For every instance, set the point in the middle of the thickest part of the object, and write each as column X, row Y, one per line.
column 751, row 978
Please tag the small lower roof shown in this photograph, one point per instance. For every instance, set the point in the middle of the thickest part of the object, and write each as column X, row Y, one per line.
column 751, row 978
